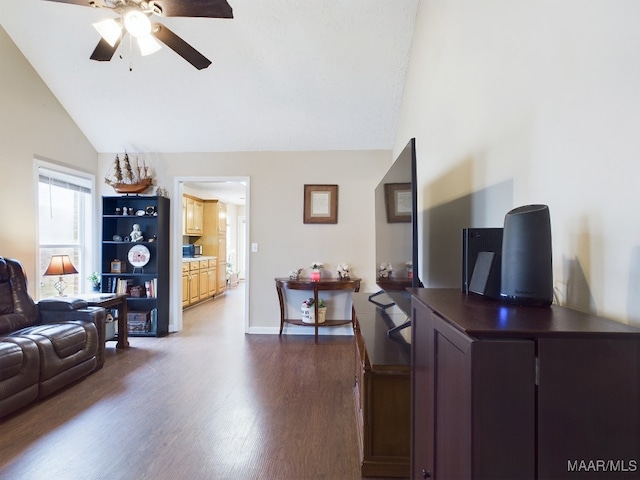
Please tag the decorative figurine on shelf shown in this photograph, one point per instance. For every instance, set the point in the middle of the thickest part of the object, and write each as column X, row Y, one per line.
column 343, row 271
column 295, row 274
column 129, row 175
column 385, row 270
column 136, row 234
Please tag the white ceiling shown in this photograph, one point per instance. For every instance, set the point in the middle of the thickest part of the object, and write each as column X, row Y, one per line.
column 226, row 191
column 286, row 75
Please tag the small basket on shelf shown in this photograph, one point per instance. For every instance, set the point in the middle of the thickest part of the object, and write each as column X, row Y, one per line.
column 309, row 312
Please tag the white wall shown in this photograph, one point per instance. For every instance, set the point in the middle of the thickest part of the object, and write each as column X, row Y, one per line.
column 32, row 124
column 277, row 182
column 532, row 101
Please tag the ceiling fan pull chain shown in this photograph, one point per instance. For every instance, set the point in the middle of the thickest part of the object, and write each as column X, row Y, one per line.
column 130, row 53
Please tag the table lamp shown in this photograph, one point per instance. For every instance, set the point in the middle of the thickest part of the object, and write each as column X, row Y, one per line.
column 60, row 265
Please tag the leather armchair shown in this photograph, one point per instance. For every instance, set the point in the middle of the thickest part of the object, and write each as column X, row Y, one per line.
column 19, row 373
column 46, row 346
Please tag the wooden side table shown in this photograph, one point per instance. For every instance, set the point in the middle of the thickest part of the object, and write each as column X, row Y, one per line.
column 111, row 300
column 328, row 284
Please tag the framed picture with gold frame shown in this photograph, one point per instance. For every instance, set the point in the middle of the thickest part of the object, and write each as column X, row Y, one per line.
column 117, row 266
column 321, row 204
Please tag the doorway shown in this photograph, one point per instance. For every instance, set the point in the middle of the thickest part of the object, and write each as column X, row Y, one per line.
column 233, row 192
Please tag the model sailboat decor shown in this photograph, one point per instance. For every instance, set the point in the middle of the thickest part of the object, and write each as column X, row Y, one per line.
column 126, row 177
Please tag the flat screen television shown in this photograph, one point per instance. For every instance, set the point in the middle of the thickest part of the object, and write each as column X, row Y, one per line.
column 396, row 234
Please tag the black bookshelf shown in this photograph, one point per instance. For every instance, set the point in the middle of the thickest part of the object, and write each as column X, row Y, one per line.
column 146, row 286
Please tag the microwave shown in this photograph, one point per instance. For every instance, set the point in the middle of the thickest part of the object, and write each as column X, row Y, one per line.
column 191, row 250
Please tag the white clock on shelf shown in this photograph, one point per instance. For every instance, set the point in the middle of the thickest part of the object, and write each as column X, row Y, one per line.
column 139, row 256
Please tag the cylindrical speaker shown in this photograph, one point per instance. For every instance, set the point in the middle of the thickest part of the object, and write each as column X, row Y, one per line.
column 526, row 273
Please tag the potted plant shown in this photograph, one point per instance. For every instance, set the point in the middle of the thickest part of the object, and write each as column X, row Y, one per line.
column 94, row 278
column 309, row 312
column 315, row 270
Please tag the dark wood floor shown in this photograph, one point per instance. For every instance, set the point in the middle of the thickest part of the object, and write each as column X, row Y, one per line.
column 207, row 403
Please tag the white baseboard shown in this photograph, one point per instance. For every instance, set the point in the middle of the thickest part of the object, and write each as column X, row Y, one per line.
column 289, row 329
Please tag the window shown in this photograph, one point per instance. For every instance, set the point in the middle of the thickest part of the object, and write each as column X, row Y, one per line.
column 65, row 225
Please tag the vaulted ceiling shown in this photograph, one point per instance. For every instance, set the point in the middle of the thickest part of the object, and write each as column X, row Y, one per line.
column 286, row 75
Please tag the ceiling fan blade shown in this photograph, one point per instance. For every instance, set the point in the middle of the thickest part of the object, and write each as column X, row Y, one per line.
column 84, row 3
column 178, row 45
column 104, row 51
column 172, row 8
column 193, row 8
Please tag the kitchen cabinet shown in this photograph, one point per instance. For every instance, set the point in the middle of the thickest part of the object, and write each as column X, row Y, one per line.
column 204, row 279
column 193, row 215
column 198, row 280
column 214, row 239
column 194, row 282
column 185, row 284
column 212, row 273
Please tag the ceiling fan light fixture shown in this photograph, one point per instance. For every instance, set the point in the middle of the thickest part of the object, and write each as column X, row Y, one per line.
column 137, row 23
column 148, row 45
column 109, row 29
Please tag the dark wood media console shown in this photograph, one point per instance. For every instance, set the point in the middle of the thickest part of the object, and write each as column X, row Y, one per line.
column 381, row 391
column 521, row 392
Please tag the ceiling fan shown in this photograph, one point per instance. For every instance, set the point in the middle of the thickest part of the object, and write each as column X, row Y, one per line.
column 134, row 19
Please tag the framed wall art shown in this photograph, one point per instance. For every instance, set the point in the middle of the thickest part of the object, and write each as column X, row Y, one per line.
column 398, row 202
column 321, row 204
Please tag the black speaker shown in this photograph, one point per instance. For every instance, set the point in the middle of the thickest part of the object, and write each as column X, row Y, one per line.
column 527, row 276
column 485, row 280
column 474, row 241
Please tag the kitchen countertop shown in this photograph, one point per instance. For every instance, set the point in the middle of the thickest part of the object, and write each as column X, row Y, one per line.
column 197, row 259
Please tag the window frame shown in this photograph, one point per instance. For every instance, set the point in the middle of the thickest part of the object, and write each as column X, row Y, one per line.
column 89, row 258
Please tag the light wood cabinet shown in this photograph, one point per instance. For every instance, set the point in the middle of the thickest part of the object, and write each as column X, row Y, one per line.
column 198, row 280
column 222, row 264
column 214, row 239
column 194, row 282
column 185, row 285
column 203, row 274
column 193, row 215
column 211, row 272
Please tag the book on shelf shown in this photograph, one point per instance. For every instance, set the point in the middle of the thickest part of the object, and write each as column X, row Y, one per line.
column 154, row 319
column 151, row 287
column 121, row 286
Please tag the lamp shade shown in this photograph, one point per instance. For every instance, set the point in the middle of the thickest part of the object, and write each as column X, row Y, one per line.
column 109, row 29
column 148, row 45
column 60, row 265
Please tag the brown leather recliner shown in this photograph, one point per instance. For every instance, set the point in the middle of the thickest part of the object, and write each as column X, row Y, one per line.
column 45, row 346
